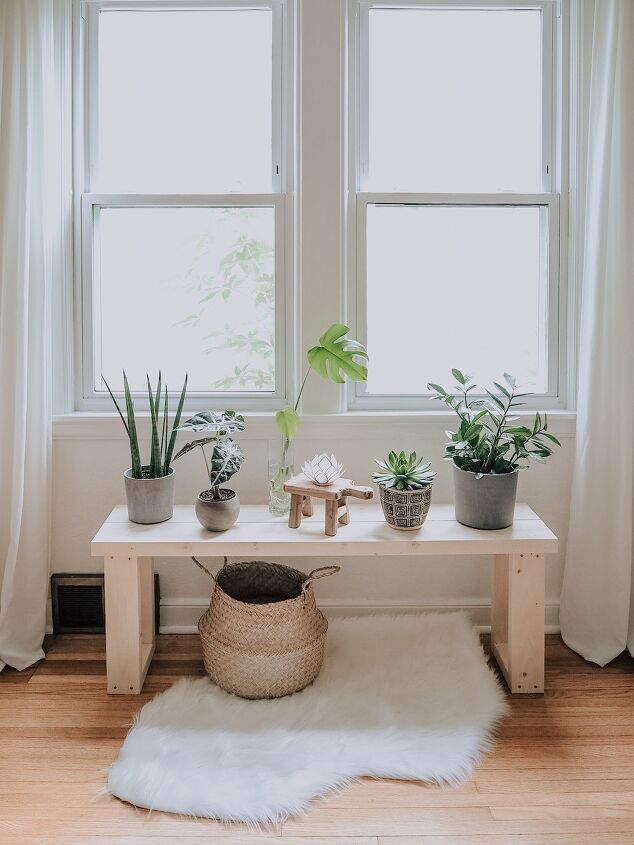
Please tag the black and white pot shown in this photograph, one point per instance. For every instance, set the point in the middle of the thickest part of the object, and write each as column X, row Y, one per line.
column 150, row 500
column 405, row 510
column 217, row 514
column 486, row 502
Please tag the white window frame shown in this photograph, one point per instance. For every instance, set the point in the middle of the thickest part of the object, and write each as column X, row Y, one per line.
column 88, row 204
column 552, row 198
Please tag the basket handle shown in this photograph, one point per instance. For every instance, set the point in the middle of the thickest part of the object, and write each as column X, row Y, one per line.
column 204, row 568
column 321, row 572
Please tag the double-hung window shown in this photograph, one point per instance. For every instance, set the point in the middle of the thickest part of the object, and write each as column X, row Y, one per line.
column 457, row 204
column 183, row 189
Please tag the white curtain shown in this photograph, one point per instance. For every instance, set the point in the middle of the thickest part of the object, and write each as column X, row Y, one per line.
column 32, row 34
column 597, row 606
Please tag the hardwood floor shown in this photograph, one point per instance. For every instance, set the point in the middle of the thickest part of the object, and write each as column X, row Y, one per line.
column 561, row 773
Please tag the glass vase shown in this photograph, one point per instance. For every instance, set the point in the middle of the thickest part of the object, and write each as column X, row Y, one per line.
column 280, row 470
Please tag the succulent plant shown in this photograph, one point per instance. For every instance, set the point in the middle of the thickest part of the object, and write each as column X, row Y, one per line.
column 403, row 473
column 323, row 469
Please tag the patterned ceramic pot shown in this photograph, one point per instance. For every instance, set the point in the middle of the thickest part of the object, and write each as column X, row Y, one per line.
column 405, row 510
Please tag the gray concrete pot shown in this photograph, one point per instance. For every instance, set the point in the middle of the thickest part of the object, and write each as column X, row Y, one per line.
column 487, row 502
column 150, row 500
column 217, row 514
column 405, row 510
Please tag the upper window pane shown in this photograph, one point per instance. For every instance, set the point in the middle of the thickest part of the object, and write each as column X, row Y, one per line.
column 455, row 100
column 184, row 101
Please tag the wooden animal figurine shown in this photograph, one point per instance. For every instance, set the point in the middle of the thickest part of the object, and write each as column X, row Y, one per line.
column 335, row 495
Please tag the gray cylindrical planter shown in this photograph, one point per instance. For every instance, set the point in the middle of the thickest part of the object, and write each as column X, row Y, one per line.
column 150, row 500
column 217, row 514
column 405, row 510
column 487, row 502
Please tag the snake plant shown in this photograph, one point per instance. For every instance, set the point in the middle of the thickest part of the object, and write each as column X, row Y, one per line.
column 163, row 439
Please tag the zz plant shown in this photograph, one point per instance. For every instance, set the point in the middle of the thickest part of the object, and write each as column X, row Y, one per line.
column 163, row 440
column 488, row 439
column 226, row 455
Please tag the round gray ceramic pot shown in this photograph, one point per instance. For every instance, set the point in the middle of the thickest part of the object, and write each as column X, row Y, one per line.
column 487, row 502
column 150, row 500
column 217, row 514
column 405, row 510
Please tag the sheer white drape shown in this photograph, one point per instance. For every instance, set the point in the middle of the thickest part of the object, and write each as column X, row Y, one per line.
column 597, row 607
column 32, row 33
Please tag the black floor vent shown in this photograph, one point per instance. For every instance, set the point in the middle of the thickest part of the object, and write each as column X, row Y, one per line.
column 78, row 603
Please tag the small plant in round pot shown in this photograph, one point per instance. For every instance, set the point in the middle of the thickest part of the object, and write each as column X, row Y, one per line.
column 489, row 448
column 150, row 487
column 218, row 507
column 405, row 489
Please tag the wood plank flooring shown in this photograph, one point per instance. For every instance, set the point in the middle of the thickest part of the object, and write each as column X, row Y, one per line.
column 561, row 773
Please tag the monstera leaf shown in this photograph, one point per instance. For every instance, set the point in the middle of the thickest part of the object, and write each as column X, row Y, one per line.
column 226, row 460
column 337, row 356
column 218, row 422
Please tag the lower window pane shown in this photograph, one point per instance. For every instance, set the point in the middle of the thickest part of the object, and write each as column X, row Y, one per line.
column 458, row 287
column 185, row 290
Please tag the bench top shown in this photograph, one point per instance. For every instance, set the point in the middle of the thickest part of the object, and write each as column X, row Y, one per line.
column 257, row 533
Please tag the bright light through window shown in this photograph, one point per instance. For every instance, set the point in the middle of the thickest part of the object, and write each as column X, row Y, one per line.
column 455, row 287
column 454, row 100
column 187, row 289
column 184, row 101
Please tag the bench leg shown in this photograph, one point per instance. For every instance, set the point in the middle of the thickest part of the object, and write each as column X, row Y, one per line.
column 129, row 600
column 517, row 620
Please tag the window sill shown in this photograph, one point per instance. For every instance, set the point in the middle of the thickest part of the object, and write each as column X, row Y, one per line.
column 106, row 426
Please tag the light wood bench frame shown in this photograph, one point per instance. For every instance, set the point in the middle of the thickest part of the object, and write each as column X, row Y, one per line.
column 517, row 603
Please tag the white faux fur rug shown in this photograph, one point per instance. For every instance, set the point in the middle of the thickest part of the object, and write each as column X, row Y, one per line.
column 407, row 697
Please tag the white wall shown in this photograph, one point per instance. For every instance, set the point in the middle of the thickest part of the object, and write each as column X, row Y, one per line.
column 90, row 457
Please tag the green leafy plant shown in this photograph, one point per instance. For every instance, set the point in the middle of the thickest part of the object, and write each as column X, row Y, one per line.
column 488, row 440
column 226, row 456
column 402, row 472
column 335, row 358
column 162, row 441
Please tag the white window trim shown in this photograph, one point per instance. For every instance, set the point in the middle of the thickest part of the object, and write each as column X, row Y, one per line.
column 554, row 194
column 83, row 396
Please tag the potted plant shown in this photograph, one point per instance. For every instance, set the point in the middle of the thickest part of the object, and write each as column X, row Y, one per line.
column 405, row 489
column 489, row 448
column 335, row 358
column 218, row 507
column 149, row 488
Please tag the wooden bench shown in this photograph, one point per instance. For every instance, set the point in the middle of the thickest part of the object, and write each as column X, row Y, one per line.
column 517, row 605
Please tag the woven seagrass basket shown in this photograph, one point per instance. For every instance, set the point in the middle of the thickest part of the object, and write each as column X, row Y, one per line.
column 263, row 635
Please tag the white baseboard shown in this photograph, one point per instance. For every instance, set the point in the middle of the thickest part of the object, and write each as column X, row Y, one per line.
column 181, row 615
